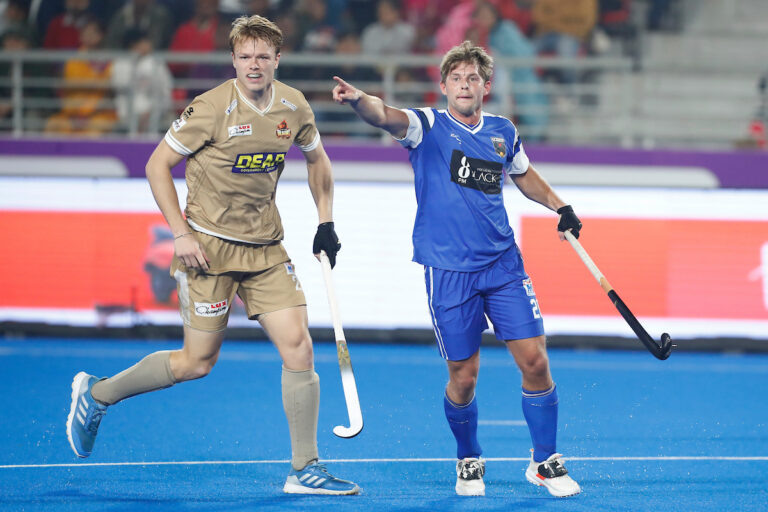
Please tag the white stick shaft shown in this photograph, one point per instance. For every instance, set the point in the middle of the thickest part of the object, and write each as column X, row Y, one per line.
column 588, row 261
column 332, row 302
column 345, row 363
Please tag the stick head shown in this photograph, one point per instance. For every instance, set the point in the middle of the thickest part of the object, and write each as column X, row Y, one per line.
column 348, row 432
column 666, row 347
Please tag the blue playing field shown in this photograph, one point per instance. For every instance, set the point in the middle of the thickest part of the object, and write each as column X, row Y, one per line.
column 690, row 433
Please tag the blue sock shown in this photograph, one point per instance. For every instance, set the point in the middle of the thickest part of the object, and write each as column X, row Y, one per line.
column 540, row 411
column 463, row 422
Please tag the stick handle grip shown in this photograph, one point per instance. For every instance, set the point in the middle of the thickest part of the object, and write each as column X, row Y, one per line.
column 606, row 286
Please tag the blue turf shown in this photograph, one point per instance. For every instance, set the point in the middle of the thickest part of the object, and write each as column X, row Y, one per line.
column 612, row 404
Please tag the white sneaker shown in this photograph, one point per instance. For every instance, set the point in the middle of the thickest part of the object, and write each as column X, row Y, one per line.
column 469, row 477
column 552, row 474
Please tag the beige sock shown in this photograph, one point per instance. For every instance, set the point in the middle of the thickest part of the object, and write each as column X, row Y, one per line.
column 151, row 373
column 301, row 401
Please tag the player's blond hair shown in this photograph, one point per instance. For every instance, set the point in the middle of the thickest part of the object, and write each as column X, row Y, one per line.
column 466, row 52
column 255, row 27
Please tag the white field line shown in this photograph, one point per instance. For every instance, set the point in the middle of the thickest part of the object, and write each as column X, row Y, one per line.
column 334, row 461
column 503, row 423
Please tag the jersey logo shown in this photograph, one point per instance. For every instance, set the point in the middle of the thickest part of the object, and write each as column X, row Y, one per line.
column 187, row 113
column 528, row 285
column 475, row 173
column 231, row 107
column 455, row 136
column 288, row 104
column 240, row 130
column 212, row 309
column 178, row 123
column 283, row 132
column 499, row 146
column 249, row 163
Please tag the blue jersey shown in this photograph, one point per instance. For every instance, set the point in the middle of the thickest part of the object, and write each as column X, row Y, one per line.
column 459, row 170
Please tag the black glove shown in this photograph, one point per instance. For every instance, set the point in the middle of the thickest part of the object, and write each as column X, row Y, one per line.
column 568, row 220
column 326, row 240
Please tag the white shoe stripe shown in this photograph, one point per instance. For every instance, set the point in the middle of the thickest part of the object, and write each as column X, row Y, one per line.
column 304, row 477
column 319, row 482
column 84, row 401
column 311, row 479
column 82, row 410
column 81, row 418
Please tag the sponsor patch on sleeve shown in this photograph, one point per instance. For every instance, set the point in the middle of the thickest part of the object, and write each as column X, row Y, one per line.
column 178, row 123
column 211, row 309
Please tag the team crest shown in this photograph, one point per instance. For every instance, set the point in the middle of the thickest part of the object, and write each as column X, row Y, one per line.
column 499, row 146
column 283, row 132
column 528, row 285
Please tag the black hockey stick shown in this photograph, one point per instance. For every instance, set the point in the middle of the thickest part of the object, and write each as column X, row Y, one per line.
column 345, row 363
column 661, row 351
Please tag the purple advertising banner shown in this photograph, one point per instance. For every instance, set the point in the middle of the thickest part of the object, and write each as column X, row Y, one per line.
column 733, row 169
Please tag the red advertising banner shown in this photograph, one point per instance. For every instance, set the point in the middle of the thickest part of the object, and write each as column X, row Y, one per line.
column 86, row 260
column 662, row 268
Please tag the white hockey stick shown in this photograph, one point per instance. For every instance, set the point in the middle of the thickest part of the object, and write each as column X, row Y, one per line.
column 345, row 364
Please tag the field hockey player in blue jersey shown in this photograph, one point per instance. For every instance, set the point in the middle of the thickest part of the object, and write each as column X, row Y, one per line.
column 472, row 266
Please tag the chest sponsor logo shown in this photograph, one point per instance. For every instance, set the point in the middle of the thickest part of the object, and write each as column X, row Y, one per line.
column 475, row 173
column 240, row 130
column 212, row 309
column 231, row 107
column 528, row 285
column 499, row 146
column 248, row 163
column 283, row 132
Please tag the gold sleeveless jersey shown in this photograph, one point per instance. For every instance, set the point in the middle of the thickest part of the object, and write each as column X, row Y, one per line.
column 235, row 156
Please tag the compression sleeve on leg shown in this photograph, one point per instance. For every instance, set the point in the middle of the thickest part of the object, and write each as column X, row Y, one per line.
column 150, row 374
column 301, row 401
column 463, row 422
column 540, row 411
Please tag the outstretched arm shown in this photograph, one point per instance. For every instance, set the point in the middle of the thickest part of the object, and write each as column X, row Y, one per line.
column 535, row 187
column 371, row 109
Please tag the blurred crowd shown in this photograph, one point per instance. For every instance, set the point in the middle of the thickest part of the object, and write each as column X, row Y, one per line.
column 141, row 87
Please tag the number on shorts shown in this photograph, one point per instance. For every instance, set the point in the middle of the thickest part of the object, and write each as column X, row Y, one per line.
column 535, row 308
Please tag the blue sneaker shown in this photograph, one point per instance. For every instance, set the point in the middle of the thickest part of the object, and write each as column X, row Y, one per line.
column 315, row 479
column 85, row 414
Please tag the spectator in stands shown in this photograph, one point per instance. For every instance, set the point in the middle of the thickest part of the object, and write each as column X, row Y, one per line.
column 143, row 15
column 563, row 28
column 390, row 35
column 427, row 16
column 198, row 34
column 14, row 19
column 503, row 38
column 63, row 32
column 142, row 86
column 317, row 28
column 86, row 108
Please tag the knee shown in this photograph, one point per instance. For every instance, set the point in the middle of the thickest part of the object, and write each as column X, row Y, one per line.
column 535, row 367
column 464, row 383
column 191, row 368
column 299, row 354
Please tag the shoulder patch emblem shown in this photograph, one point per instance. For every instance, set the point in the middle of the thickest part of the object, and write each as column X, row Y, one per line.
column 283, row 132
column 288, row 104
column 178, row 123
column 187, row 113
column 231, row 107
column 499, row 146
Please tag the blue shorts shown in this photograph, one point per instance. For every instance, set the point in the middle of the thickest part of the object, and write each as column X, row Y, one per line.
column 460, row 301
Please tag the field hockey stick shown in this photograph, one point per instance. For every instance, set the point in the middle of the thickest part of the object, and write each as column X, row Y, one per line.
column 661, row 351
column 345, row 364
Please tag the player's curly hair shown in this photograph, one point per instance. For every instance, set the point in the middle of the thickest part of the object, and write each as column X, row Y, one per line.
column 467, row 52
column 255, row 27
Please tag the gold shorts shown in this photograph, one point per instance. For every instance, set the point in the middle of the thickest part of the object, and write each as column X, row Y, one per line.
column 261, row 275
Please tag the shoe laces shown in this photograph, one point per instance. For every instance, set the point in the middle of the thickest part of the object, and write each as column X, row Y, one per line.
column 471, row 470
column 322, row 468
column 96, row 413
